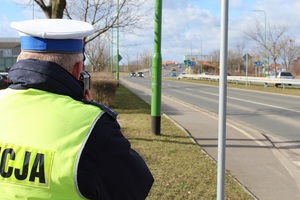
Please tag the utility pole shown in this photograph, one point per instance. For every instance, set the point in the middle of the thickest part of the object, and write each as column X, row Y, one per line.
column 112, row 51
column 156, row 72
column 222, row 101
column 117, row 56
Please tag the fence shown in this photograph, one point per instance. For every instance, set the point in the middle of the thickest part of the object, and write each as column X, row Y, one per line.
column 246, row 80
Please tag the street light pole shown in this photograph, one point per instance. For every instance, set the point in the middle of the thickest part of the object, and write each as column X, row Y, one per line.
column 265, row 60
column 156, row 71
column 32, row 9
column 201, row 56
column 117, row 56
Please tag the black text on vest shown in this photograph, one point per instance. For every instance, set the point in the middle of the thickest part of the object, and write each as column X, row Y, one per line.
column 24, row 171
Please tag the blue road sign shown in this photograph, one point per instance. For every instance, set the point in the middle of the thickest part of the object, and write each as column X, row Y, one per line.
column 191, row 63
column 258, row 64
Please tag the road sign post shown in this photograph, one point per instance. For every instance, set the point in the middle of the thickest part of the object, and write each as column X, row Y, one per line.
column 247, row 57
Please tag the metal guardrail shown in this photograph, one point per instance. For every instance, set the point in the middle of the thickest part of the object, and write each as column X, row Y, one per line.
column 246, row 80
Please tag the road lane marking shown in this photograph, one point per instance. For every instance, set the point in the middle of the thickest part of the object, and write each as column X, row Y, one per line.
column 253, row 102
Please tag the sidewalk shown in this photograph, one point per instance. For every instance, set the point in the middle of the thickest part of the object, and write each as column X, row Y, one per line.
column 250, row 157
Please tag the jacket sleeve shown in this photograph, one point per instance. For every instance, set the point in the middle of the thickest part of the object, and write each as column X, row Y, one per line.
column 109, row 168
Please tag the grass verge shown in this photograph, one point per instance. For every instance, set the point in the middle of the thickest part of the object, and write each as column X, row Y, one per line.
column 180, row 168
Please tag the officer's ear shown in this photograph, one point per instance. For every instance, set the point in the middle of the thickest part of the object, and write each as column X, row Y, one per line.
column 18, row 58
column 77, row 69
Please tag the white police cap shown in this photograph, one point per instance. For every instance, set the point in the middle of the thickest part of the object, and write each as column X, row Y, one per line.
column 52, row 35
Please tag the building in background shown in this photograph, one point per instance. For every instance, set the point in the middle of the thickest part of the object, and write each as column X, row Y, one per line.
column 9, row 51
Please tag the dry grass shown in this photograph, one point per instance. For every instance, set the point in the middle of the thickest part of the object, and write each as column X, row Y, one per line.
column 103, row 87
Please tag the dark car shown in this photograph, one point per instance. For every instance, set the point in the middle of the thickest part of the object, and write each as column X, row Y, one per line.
column 3, row 80
column 133, row 74
column 140, row 74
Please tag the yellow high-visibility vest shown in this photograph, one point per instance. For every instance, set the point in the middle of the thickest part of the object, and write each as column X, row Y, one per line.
column 41, row 139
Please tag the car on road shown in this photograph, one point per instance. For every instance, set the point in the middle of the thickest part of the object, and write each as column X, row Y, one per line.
column 173, row 74
column 282, row 75
column 133, row 74
column 205, row 73
column 140, row 74
column 3, row 80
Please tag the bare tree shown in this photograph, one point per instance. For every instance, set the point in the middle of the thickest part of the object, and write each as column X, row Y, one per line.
column 290, row 51
column 128, row 57
column 104, row 15
column 215, row 57
column 98, row 54
column 273, row 44
column 129, row 15
column 145, row 59
column 240, row 48
column 232, row 60
column 54, row 9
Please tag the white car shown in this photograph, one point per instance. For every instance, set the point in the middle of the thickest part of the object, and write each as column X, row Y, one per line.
column 282, row 75
column 205, row 73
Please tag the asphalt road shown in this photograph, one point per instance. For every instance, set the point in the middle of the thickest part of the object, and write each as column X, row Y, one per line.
column 278, row 115
column 262, row 143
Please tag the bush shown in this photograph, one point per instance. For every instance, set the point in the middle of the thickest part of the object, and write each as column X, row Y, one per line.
column 103, row 87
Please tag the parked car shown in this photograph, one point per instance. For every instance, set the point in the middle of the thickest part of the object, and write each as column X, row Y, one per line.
column 3, row 80
column 133, row 74
column 140, row 74
column 282, row 75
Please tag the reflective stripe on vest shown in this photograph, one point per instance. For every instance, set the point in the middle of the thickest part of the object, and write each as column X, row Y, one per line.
column 41, row 138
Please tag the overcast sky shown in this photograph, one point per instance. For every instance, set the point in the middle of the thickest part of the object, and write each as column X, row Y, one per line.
column 189, row 25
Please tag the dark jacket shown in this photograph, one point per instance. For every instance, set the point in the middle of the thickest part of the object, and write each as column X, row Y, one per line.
column 118, row 172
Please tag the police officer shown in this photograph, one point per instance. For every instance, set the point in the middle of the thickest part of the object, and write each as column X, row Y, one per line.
column 54, row 142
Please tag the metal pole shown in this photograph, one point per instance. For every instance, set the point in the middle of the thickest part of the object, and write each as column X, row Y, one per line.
column 247, row 69
column 222, row 100
column 201, row 56
column 265, row 59
column 112, row 51
column 32, row 9
column 117, row 56
column 156, row 72
column 109, row 57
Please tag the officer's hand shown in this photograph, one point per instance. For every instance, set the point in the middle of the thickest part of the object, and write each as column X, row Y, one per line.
column 88, row 95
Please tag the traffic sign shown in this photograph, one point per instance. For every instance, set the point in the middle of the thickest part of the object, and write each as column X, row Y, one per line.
column 258, row 64
column 245, row 56
column 191, row 63
column 119, row 57
column 186, row 62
